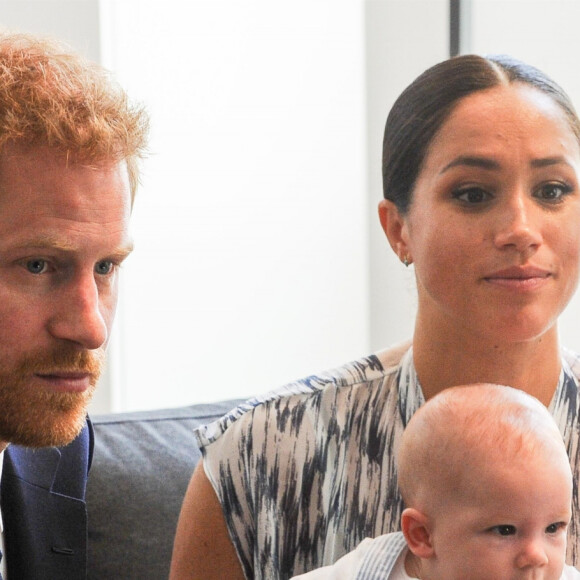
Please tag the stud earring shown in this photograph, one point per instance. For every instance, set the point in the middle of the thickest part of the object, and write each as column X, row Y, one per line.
column 406, row 261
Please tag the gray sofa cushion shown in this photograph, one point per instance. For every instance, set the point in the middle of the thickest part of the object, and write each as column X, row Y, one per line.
column 141, row 467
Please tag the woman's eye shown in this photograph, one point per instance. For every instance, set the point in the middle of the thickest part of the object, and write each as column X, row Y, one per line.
column 103, row 268
column 36, row 266
column 472, row 195
column 505, row 530
column 553, row 191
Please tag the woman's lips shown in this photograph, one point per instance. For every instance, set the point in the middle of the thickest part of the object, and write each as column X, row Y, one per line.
column 520, row 278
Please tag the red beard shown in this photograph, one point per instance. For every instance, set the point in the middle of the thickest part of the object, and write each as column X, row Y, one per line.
column 40, row 417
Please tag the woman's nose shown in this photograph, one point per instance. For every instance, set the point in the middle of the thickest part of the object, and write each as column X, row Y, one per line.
column 519, row 227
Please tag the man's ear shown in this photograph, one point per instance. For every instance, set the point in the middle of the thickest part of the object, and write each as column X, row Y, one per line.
column 395, row 228
column 417, row 531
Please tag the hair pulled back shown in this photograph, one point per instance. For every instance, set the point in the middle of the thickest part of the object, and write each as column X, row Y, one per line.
column 427, row 102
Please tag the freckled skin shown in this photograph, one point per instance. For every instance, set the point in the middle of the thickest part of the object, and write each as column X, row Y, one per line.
column 63, row 233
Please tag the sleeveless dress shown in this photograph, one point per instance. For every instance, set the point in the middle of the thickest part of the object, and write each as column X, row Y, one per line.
column 306, row 472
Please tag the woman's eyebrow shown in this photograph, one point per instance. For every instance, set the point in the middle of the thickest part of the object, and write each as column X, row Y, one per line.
column 547, row 161
column 472, row 161
column 491, row 164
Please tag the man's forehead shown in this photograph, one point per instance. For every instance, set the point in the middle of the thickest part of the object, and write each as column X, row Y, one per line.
column 63, row 244
column 15, row 158
column 14, row 149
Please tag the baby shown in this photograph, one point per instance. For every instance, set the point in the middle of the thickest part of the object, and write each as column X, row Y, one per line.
column 487, row 483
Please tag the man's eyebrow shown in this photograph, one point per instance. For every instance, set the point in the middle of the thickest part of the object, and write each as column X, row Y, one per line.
column 472, row 161
column 122, row 252
column 62, row 245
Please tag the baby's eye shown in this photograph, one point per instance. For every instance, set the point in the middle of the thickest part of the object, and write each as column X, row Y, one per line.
column 37, row 266
column 505, row 530
column 472, row 195
column 555, row 528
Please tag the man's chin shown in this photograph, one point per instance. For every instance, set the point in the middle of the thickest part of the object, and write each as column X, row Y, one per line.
column 55, row 436
column 34, row 413
column 48, row 434
column 50, row 421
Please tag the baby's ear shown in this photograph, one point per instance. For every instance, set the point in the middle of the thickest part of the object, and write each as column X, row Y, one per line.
column 416, row 529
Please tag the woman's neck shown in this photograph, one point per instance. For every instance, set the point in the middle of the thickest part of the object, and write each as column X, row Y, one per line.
column 451, row 357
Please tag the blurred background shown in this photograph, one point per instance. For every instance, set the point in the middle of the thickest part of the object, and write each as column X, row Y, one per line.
column 259, row 257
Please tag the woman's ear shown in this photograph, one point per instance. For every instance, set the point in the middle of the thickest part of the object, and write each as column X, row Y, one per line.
column 417, row 531
column 395, row 228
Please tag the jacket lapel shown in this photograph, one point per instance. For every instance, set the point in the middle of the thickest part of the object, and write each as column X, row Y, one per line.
column 45, row 519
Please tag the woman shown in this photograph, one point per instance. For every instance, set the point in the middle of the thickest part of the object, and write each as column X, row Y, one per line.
column 481, row 173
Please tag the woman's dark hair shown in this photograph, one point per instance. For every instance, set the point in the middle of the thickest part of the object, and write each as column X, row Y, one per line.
column 427, row 102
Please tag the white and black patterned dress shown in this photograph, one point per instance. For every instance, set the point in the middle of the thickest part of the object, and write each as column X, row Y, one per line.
column 305, row 473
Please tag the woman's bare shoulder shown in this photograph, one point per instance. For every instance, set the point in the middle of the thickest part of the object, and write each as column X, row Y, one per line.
column 203, row 549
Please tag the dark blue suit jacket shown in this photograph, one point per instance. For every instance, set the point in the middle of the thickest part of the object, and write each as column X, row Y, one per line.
column 43, row 506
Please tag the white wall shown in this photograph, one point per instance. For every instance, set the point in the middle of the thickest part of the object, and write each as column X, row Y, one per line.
column 403, row 38
column 251, row 263
column 253, row 229
column 74, row 21
column 259, row 257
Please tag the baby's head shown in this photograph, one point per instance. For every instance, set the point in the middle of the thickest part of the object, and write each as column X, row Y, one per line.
column 487, row 486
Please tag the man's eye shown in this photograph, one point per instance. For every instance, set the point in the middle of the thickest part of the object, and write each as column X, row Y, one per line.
column 505, row 530
column 472, row 195
column 36, row 266
column 103, row 268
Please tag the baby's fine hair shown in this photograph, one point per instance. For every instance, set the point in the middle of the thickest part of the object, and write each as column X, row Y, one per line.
column 51, row 96
column 468, row 424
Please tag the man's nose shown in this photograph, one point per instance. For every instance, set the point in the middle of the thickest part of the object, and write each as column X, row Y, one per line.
column 77, row 315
